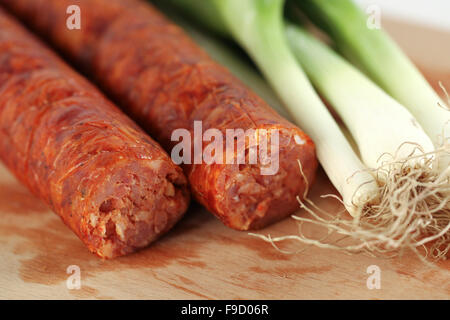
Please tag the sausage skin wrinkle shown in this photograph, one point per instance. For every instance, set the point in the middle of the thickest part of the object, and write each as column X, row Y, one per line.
column 109, row 182
column 165, row 81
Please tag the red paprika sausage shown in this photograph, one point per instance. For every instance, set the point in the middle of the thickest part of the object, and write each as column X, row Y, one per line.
column 109, row 182
column 165, row 82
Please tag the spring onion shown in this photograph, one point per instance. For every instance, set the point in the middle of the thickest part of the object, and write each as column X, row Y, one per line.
column 417, row 193
column 380, row 125
column 372, row 50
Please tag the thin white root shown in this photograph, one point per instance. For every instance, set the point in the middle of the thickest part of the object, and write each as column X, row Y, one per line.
column 413, row 213
column 446, row 95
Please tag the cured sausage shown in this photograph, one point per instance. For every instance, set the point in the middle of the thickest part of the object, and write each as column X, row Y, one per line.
column 110, row 183
column 166, row 82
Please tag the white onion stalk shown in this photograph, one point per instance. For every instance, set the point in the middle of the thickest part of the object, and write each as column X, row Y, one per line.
column 375, row 53
column 380, row 125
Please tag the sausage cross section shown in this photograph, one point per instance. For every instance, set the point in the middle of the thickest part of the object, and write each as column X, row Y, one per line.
column 164, row 81
column 110, row 183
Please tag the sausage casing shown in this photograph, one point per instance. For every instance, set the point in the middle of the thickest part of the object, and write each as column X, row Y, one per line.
column 110, row 183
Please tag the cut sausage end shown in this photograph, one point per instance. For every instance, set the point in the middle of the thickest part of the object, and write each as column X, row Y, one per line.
column 253, row 201
column 137, row 209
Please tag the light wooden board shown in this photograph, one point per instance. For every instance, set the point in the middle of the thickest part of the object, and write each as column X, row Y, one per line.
column 201, row 258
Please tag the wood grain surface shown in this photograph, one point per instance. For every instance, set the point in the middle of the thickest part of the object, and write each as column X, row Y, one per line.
column 201, row 258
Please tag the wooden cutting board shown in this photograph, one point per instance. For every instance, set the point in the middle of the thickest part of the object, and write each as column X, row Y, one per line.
column 203, row 259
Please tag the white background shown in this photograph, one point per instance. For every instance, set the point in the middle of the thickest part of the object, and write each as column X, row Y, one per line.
column 433, row 13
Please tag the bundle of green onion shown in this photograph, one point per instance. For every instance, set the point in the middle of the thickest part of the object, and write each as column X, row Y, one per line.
column 398, row 187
